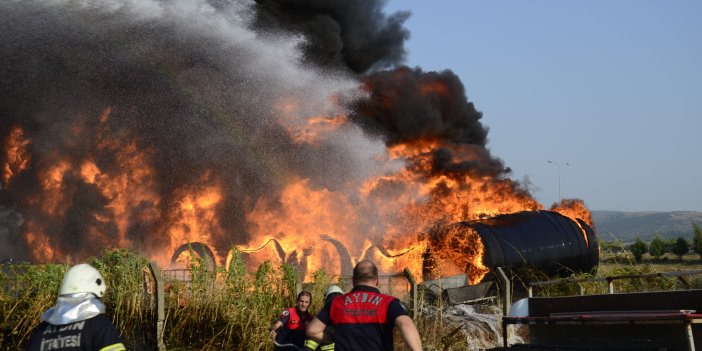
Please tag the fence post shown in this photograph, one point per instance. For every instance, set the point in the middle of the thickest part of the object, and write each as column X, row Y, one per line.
column 507, row 301
column 610, row 285
column 160, row 305
column 413, row 293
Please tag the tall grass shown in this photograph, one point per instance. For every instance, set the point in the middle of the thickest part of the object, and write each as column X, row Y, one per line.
column 126, row 298
column 229, row 308
column 27, row 292
column 232, row 308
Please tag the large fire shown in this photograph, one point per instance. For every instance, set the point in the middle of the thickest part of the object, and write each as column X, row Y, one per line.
column 148, row 148
column 298, row 218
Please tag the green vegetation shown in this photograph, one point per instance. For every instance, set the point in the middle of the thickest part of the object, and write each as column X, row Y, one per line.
column 681, row 247
column 697, row 240
column 657, row 247
column 624, row 264
column 233, row 309
column 638, row 249
column 627, row 226
column 28, row 292
column 228, row 309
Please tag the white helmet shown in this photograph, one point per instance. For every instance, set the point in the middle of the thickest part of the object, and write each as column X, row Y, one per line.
column 83, row 278
column 333, row 289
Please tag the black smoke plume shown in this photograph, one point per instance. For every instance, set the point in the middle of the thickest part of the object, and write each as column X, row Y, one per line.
column 195, row 86
column 351, row 35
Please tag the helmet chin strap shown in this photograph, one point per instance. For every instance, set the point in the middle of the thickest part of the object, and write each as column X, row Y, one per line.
column 71, row 308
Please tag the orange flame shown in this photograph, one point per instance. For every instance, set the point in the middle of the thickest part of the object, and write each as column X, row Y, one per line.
column 575, row 209
column 16, row 155
column 362, row 215
column 39, row 242
column 316, row 126
column 194, row 218
column 460, row 250
column 128, row 183
column 435, row 87
column 385, row 218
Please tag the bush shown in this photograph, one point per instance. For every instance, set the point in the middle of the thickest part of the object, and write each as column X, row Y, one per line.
column 637, row 249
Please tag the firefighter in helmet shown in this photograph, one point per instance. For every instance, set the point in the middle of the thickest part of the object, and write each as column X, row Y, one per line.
column 77, row 321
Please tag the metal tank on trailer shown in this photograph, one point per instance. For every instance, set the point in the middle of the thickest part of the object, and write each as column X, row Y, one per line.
column 545, row 240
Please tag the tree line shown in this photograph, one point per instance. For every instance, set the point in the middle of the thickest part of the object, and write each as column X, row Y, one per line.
column 659, row 247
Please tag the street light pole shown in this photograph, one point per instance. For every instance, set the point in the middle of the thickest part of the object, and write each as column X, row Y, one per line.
column 558, row 165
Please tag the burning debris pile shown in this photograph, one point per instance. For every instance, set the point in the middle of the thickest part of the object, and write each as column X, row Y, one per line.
column 152, row 124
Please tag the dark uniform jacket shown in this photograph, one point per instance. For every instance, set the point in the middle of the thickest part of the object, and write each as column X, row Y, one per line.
column 95, row 333
column 363, row 319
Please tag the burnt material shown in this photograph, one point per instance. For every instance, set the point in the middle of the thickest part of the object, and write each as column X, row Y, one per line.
column 545, row 240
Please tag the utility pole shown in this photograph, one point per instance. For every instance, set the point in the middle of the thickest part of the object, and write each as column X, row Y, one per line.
column 558, row 165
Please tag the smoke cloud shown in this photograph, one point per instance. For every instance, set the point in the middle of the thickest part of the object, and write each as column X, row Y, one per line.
column 207, row 92
column 353, row 35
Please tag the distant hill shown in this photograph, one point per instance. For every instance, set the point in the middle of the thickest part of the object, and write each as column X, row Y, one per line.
column 627, row 226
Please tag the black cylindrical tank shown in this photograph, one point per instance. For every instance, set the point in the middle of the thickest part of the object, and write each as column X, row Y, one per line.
column 545, row 240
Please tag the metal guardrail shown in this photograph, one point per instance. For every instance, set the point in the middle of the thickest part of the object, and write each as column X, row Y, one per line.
column 611, row 279
column 629, row 318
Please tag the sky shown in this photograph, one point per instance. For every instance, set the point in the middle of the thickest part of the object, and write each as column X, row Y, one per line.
column 609, row 91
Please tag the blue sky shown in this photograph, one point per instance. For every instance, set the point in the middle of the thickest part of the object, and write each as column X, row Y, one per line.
column 612, row 87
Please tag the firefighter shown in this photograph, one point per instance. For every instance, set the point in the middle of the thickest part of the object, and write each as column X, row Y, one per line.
column 77, row 321
column 311, row 344
column 290, row 327
column 363, row 319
